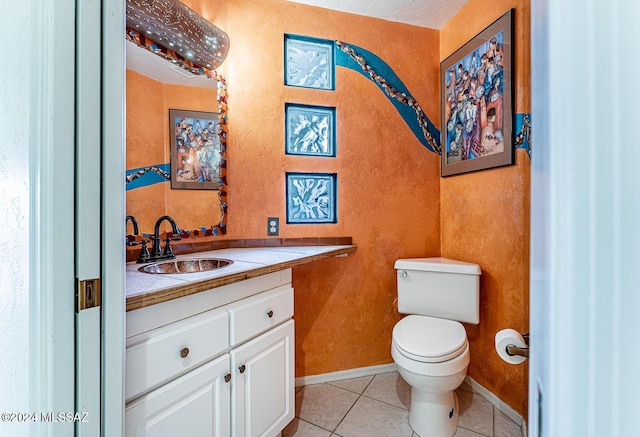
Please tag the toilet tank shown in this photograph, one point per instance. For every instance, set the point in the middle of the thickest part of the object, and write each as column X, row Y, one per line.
column 439, row 287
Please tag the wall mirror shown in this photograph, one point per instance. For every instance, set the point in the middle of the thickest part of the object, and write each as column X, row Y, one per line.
column 155, row 87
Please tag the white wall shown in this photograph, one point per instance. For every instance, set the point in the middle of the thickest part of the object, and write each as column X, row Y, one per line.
column 14, row 213
column 586, row 207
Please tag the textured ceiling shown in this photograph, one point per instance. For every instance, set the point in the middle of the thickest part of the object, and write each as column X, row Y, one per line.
column 425, row 13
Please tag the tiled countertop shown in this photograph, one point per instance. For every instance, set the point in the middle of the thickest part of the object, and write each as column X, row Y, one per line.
column 145, row 289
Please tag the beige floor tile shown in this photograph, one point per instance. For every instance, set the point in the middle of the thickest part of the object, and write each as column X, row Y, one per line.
column 356, row 385
column 504, row 426
column 390, row 388
column 324, row 405
column 300, row 428
column 371, row 418
column 461, row 432
column 476, row 413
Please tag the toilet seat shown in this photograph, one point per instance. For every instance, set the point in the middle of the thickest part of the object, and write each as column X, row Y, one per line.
column 429, row 339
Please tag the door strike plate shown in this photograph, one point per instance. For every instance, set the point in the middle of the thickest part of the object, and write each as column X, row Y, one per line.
column 88, row 294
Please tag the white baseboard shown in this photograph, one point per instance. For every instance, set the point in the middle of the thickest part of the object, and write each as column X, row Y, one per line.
column 346, row 374
column 495, row 401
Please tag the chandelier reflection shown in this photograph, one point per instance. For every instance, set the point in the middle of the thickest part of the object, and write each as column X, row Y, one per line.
column 172, row 30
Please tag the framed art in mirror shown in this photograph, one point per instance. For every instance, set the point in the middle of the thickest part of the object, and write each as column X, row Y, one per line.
column 476, row 102
column 195, row 149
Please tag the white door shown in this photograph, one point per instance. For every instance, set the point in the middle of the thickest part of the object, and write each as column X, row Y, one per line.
column 263, row 396
column 585, row 213
column 65, row 224
column 99, row 217
column 87, row 218
column 50, row 66
column 197, row 404
column 113, row 212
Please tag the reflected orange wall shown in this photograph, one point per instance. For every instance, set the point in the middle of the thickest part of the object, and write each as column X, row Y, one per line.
column 485, row 217
column 148, row 104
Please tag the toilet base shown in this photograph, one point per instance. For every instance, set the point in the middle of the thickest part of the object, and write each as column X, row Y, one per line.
column 434, row 414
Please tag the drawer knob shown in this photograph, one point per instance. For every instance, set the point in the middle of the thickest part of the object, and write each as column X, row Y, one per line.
column 227, row 377
column 270, row 314
column 242, row 368
column 184, row 352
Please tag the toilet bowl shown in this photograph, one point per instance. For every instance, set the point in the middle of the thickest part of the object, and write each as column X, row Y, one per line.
column 432, row 356
column 430, row 345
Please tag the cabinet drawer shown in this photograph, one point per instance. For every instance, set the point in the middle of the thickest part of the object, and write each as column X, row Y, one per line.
column 259, row 313
column 157, row 356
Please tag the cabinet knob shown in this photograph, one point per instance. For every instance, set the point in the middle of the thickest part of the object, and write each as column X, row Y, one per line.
column 184, row 352
column 270, row 314
column 242, row 368
column 227, row 377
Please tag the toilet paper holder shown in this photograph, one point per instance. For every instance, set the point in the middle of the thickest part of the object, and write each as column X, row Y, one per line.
column 520, row 351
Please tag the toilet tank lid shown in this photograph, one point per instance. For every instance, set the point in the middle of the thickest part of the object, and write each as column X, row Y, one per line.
column 443, row 265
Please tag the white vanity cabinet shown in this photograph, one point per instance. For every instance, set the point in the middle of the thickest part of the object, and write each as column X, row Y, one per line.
column 195, row 405
column 263, row 397
column 225, row 370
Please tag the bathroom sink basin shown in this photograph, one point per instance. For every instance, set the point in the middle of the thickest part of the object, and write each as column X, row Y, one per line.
column 186, row 266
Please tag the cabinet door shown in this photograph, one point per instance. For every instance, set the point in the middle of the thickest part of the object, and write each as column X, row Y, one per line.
column 263, row 388
column 197, row 404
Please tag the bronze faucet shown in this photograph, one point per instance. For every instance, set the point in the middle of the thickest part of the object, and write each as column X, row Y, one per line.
column 135, row 223
column 156, row 251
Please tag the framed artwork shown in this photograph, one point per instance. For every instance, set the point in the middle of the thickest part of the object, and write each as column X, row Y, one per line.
column 476, row 102
column 309, row 62
column 311, row 198
column 310, row 130
column 195, row 149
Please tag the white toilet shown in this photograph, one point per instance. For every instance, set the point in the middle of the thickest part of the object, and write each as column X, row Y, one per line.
column 430, row 346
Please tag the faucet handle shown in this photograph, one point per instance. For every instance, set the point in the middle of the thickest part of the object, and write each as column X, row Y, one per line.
column 168, row 250
column 137, row 241
column 144, row 251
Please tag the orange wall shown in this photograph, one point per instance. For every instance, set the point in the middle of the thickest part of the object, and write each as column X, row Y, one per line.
column 148, row 136
column 388, row 183
column 391, row 199
column 485, row 217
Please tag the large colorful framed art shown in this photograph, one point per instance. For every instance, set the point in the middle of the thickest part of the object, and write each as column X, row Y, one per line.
column 476, row 102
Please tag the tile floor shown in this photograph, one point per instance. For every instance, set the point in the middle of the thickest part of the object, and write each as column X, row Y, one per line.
column 378, row 406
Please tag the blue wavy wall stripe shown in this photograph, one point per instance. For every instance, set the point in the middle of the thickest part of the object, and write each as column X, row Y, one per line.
column 522, row 140
column 383, row 69
column 147, row 176
column 522, row 137
column 522, row 127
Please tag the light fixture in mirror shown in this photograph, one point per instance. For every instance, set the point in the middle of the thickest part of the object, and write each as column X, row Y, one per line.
column 180, row 31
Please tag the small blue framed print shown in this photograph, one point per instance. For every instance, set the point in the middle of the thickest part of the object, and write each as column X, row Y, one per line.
column 309, row 62
column 311, row 198
column 310, row 130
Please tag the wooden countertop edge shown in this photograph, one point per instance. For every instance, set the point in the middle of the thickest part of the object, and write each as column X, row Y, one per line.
column 147, row 299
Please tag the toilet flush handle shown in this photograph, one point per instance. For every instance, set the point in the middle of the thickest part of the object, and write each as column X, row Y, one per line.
column 402, row 274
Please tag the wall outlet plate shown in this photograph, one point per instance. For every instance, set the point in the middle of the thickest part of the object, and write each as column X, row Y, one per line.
column 273, row 226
